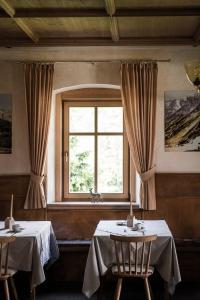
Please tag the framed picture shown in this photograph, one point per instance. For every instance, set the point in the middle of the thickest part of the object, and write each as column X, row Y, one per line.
column 182, row 121
column 5, row 124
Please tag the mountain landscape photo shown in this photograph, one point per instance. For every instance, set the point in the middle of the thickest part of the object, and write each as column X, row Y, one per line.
column 182, row 121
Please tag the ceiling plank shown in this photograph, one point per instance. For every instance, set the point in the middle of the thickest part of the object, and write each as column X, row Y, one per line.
column 21, row 23
column 114, row 29
column 146, row 41
column 127, row 12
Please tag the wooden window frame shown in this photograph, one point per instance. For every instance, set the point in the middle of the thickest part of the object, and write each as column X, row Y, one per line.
column 97, row 96
column 105, row 196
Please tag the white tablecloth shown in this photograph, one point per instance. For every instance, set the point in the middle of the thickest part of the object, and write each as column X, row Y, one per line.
column 101, row 253
column 34, row 246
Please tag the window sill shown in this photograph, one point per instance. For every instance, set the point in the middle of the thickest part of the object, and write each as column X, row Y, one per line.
column 86, row 205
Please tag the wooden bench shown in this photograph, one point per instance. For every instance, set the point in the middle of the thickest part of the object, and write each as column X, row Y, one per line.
column 188, row 251
column 73, row 256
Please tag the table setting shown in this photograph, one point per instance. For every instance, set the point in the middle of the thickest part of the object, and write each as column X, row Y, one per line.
column 35, row 245
column 101, row 253
column 123, row 229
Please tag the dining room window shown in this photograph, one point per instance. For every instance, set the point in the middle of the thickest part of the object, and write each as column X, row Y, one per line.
column 88, row 150
column 95, row 150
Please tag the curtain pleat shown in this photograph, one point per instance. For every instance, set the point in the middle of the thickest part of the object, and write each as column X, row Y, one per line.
column 139, row 89
column 38, row 89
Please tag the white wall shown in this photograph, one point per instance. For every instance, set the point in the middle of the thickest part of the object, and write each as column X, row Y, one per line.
column 171, row 76
column 11, row 82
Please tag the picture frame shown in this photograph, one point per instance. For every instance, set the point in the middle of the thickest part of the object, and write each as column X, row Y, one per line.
column 182, row 121
column 5, row 124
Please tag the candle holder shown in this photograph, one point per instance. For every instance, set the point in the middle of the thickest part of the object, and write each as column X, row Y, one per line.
column 130, row 220
column 9, row 222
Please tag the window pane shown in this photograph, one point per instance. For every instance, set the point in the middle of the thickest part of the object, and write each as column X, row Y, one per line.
column 110, row 164
column 81, row 164
column 81, row 119
column 110, row 119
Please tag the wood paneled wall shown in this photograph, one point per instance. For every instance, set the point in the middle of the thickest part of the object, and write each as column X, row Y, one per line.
column 178, row 202
column 16, row 185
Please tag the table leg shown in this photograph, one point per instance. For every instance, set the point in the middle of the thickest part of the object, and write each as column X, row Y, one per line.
column 14, row 288
column 100, row 289
column 99, row 294
column 167, row 296
column 33, row 294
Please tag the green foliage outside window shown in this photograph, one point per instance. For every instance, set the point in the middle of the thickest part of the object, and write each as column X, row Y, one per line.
column 81, row 179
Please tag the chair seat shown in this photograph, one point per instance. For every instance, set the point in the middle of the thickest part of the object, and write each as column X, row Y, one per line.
column 139, row 274
column 10, row 273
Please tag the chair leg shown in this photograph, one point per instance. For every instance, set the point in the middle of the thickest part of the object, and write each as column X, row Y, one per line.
column 14, row 288
column 147, row 288
column 118, row 289
column 7, row 295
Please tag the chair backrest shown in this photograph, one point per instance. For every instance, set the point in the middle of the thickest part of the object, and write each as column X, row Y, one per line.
column 133, row 254
column 4, row 253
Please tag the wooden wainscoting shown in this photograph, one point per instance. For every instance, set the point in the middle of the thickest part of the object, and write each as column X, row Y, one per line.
column 16, row 185
column 178, row 202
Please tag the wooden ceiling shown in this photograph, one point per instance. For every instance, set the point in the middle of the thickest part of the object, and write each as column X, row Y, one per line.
column 99, row 22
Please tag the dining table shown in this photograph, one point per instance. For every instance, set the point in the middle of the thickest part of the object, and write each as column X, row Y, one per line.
column 35, row 246
column 101, row 254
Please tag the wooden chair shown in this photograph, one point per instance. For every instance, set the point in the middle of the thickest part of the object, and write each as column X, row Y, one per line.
column 132, row 260
column 6, row 273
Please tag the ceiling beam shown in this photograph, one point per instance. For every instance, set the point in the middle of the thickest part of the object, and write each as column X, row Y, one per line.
column 93, row 12
column 114, row 29
column 145, row 41
column 197, row 35
column 26, row 29
column 10, row 11
column 110, row 7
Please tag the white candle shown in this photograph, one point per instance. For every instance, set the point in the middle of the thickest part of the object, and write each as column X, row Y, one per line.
column 11, row 206
column 131, row 207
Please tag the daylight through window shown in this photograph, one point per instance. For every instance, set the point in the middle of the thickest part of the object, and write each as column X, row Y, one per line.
column 95, row 149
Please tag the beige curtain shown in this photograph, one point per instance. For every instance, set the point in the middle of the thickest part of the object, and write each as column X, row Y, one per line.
column 139, row 88
column 38, row 88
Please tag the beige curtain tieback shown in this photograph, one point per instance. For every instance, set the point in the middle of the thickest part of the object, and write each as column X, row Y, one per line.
column 147, row 175
column 37, row 178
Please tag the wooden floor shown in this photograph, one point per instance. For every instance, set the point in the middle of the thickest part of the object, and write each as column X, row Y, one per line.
column 132, row 289
column 73, row 292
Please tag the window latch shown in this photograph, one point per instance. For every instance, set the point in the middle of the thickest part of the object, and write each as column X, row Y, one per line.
column 66, row 156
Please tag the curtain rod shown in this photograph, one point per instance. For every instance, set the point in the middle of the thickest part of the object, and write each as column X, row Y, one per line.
column 97, row 61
